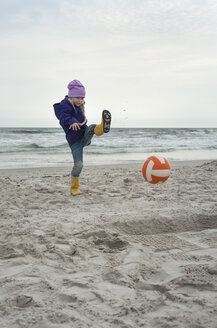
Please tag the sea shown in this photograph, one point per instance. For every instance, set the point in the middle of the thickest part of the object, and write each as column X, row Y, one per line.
column 46, row 147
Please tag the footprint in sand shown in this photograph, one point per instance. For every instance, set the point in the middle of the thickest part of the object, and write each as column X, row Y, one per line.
column 24, row 301
column 68, row 298
column 113, row 244
column 105, row 240
column 7, row 252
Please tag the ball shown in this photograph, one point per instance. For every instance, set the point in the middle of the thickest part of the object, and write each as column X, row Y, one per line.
column 156, row 169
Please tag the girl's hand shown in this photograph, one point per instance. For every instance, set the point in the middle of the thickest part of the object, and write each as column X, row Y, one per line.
column 74, row 126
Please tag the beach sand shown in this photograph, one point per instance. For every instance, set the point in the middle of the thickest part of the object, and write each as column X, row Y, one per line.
column 124, row 254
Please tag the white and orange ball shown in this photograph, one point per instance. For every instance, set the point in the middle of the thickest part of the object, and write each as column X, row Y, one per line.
column 156, row 169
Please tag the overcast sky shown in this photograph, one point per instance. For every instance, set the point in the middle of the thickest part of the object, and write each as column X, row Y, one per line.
column 152, row 63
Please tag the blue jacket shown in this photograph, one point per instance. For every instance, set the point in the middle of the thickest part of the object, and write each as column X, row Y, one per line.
column 67, row 115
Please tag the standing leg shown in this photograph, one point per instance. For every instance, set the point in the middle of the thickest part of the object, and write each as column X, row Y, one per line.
column 77, row 153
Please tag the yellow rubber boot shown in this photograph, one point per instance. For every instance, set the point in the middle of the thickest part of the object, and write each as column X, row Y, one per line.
column 75, row 186
column 104, row 127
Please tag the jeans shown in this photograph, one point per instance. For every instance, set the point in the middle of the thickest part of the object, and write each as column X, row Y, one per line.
column 77, row 150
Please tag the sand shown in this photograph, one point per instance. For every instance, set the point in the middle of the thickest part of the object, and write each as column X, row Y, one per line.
column 124, row 254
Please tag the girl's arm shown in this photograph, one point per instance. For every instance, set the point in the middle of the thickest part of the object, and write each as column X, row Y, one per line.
column 64, row 116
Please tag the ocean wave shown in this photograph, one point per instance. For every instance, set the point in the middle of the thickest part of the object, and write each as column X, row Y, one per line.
column 30, row 130
column 131, row 150
column 34, row 147
column 123, row 141
column 47, row 147
column 93, row 149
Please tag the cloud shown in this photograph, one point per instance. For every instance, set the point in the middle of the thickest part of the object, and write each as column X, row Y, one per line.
column 143, row 17
column 121, row 16
column 19, row 15
column 138, row 54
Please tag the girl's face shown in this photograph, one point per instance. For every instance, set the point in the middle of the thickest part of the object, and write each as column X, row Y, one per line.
column 78, row 101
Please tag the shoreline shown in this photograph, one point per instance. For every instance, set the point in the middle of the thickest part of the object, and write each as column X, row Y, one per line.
column 66, row 169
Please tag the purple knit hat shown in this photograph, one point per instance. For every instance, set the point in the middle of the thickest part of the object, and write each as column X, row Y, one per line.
column 76, row 89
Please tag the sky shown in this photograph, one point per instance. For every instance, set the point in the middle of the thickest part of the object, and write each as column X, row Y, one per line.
column 152, row 63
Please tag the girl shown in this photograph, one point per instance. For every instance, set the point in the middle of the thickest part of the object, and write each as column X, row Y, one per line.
column 71, row 115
